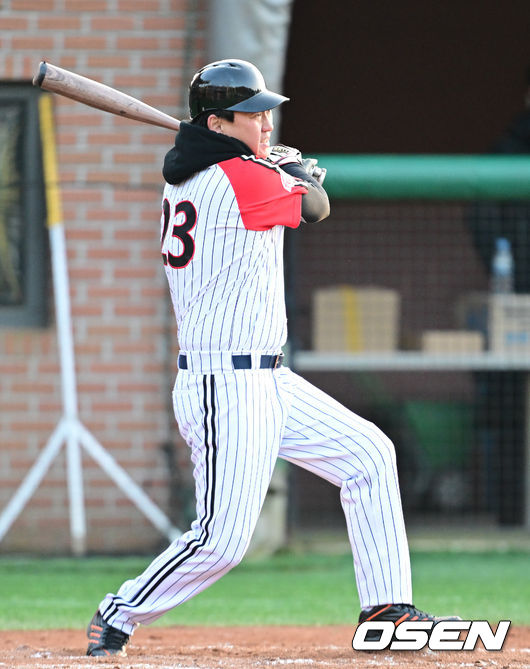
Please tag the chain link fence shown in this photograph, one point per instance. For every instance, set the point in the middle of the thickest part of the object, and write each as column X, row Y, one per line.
column 391, row 311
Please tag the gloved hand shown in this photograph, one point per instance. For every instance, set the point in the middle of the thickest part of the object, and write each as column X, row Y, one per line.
column 280, row 154
column 311, row 167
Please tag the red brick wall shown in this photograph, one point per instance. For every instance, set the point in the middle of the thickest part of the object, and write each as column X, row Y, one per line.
column 110, row 186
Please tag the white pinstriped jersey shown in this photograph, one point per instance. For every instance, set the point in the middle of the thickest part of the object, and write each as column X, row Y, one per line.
column 222, row 245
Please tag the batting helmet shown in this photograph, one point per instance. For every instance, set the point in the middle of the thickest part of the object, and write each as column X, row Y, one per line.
column 234, row 85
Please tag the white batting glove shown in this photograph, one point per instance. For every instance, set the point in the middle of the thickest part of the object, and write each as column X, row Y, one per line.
column 311, row 167
column 280, row 154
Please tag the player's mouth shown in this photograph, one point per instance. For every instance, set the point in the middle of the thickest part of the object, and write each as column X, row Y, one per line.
column 264, row 148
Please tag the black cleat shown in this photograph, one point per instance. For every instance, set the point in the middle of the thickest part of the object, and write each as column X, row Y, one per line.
column 396, row 613
column 104, row 639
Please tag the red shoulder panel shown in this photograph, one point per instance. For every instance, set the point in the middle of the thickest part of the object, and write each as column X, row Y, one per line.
column 266, row 195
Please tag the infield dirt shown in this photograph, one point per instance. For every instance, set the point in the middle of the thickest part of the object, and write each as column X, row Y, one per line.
column 243, row 648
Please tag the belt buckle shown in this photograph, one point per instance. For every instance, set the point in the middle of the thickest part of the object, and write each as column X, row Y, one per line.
column 278, row 360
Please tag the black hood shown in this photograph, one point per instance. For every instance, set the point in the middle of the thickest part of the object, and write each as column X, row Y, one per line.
column 196, row 148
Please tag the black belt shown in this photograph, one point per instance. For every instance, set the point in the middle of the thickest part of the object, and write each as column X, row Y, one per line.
column 244, row 361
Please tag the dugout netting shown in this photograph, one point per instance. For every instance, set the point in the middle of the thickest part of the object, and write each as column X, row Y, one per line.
column 391, row 312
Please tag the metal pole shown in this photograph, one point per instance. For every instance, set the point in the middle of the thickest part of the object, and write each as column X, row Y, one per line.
column 69, row 387
column 70, row 430
column 64, row 327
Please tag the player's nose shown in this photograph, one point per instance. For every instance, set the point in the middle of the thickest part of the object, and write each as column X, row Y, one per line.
column 267, row 123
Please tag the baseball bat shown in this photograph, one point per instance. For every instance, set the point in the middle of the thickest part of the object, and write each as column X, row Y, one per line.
column 94, row 94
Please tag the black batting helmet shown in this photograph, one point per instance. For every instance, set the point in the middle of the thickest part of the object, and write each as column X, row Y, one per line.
column 231, row 84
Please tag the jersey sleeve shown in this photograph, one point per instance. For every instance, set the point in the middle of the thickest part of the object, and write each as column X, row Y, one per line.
column 266, row 196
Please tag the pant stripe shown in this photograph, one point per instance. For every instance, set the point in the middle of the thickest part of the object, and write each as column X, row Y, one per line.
column 167, row 568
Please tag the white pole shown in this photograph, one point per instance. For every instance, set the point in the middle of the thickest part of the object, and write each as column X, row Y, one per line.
column 69, row 388
column 64, row 323
column 70, row 430
column 65, row 339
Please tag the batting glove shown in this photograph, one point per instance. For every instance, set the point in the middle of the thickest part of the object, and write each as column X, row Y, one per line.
column 280, row 154
column 311, row 167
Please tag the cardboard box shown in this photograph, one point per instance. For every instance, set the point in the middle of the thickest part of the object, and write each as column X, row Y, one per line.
column 509, row 323
column 352, row 319
column 451, row 341
column 503, row 319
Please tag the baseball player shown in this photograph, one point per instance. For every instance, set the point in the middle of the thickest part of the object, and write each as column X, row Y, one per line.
column 227, row 200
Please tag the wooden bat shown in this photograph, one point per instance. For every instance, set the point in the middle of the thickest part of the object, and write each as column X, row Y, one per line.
column 94, row 94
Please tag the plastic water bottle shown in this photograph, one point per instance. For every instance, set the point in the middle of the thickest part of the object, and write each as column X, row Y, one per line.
column 502, row 267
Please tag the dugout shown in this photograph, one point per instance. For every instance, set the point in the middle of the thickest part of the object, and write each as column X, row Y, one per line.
column 459, row 417
column 407, row 80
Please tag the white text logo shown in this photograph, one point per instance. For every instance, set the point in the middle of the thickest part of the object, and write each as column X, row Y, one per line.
column 443, row 635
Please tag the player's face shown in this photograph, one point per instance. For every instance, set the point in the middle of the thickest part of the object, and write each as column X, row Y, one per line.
column 252, row 128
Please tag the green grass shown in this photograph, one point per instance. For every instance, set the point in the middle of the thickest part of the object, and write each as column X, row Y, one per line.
column 286, row 589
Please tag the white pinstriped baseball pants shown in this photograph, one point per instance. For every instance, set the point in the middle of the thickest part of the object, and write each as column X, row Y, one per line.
column 237, row 423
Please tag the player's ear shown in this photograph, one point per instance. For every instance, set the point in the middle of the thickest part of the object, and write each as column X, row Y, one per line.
column 215, row 123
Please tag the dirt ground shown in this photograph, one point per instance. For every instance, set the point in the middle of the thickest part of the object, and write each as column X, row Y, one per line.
column 243, row 647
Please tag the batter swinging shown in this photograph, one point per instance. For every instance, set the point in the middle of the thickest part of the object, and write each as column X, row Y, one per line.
column 226, row 203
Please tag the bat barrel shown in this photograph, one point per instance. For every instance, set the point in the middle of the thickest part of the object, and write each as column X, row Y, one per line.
column 39, row 77
column 98, row 95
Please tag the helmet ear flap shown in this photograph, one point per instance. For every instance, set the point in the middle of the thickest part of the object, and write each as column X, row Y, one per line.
column 231, row 84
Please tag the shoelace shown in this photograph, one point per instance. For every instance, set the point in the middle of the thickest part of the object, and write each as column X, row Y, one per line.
column 412, row 613
column 408, row 612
